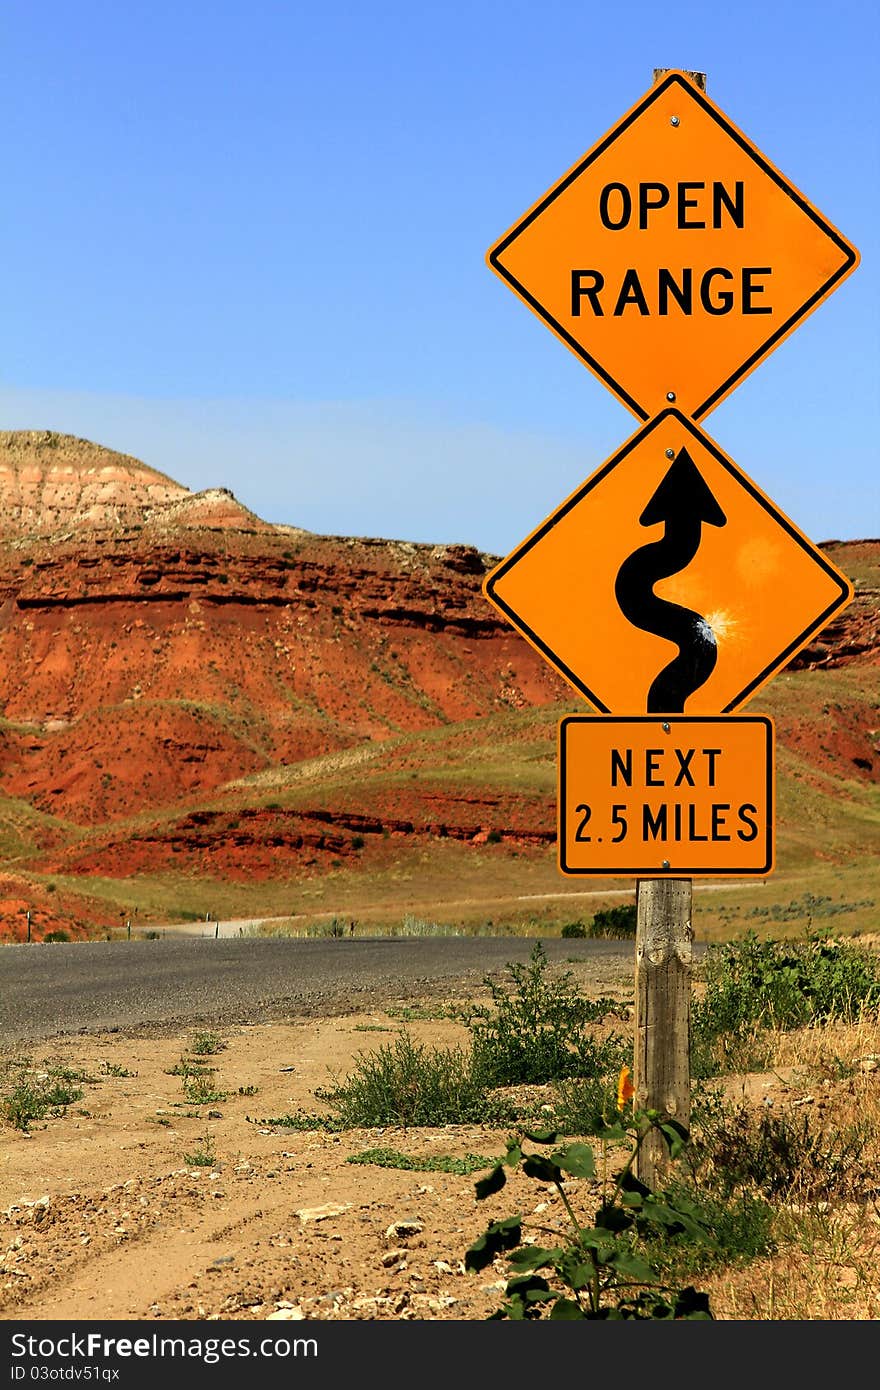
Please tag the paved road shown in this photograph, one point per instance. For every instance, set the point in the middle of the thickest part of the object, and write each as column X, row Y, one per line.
column 159, row 986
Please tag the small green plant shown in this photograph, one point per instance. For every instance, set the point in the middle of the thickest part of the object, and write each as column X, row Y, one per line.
column 248, row 1090
column 417, row 1013
column 200, row 1090
column 203, row 1156
column 393, row 1158
column 206, row 1044
column 114, row 1069
column 742, row 1226
column 573, row 929
column 599, row 1270
column 752, row 986
column 614, row 922
column 30, row 1094
column 187, row 1068
column 537, row 1028
column 59, row 935
column 406, row 1083
column 581, row 1103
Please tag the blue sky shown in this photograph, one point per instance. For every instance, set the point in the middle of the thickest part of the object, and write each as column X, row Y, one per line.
column 245, row 243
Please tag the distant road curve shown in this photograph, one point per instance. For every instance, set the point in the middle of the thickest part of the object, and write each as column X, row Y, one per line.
column 240, row 926
column 164, row 985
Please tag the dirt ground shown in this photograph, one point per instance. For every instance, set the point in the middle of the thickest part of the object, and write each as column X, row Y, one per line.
column 103, row 1216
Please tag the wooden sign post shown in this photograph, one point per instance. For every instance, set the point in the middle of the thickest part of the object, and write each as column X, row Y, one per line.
column 663, row 987
column 661, row 1050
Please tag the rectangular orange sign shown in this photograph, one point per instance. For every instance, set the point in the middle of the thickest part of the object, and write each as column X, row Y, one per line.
column 666, row 796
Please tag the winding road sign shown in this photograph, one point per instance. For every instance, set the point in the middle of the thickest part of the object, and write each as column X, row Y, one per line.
column 673, row 257
column 668, row 582
column 670, row 797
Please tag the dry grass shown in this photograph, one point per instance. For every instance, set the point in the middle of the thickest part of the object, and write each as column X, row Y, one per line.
column 827, row 1269
column 825, row 1053
column 827, row 1263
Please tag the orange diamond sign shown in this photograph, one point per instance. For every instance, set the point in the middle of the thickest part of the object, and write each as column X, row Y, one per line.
column 668, row 582
column 674, row 257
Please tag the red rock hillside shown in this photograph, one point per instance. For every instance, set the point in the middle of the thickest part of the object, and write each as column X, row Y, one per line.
column 156, row 644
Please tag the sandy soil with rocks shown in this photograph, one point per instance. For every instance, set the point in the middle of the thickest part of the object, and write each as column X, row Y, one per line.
column 102, row 1215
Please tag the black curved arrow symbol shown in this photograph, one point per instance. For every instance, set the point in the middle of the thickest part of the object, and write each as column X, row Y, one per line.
column 684, row 503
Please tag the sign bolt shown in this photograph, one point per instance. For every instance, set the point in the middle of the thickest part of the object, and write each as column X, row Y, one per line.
column 665, row 728
column 674, row 120
column 670, row 453
column 665, row 864
column 670, row 395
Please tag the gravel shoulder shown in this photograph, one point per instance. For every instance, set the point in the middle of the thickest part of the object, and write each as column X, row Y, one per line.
column 104, row 1215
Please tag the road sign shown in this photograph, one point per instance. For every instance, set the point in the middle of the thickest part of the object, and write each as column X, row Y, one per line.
column 666, row 798
column 673, row 257
column 668, row 582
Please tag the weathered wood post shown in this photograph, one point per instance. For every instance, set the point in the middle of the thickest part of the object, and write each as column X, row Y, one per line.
column 664, row 954
column 662, row 1070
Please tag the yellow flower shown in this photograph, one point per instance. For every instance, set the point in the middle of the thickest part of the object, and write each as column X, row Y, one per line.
column 625, row 1089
